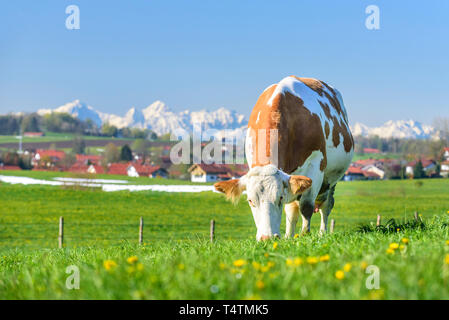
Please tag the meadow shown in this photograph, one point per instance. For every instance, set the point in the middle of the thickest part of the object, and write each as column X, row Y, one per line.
column 177, row 260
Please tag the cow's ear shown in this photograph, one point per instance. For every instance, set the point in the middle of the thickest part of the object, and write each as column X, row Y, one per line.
column 299, row 184
column 231, row 188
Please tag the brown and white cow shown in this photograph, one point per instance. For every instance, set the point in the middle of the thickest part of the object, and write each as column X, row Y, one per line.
column 298, row 146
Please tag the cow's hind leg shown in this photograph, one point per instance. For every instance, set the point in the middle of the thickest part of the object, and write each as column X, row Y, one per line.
column 291, row 218
column 326, row 209
column 306, row 208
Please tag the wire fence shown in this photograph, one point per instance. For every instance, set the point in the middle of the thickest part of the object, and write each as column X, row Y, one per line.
column 74, row 233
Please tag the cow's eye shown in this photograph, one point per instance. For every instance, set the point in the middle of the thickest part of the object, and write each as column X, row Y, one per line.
column 282, row 198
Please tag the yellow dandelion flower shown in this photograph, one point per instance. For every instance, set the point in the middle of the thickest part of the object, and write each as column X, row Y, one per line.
column 264, row 268
column 312, row 260
column 260, row 285
column 132, row 259
column 339, row 275
column 394, row 245
column 289, row 262
column 181, row 266
column 298, row 261
column 398, row 229
column 239, row 263
column 390, row 251
column 296, row 236
column 270, row 264
column 109, row 264
column 446, row 259
column 256, row 265
column 447, row 242
column 405, row 240
column 401, row 247
column 363, row 265
column 324, row 258
column 275, row 245
column 347, row 267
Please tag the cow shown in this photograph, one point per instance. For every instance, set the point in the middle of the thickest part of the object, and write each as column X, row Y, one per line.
column 298, row 146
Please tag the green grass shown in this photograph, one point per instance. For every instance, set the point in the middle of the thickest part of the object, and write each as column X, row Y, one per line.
column 363, row 156
column 178, row 262
column 53, row 137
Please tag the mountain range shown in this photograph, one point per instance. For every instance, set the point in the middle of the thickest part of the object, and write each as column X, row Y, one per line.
column 157, row 116
column 161, row 119
column 401, row 129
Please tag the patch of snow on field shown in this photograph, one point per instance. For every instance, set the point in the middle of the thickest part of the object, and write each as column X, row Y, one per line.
column 156, row 187
column 108, row 187
column 90, row 180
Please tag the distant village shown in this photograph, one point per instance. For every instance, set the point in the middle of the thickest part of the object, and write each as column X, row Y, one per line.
column 132, row 163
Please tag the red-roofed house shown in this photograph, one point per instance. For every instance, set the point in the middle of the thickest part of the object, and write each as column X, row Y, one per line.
column 88, row 159
column 53, row 156
column 428, row 165
column 446, row 154
column 216, row 172
column 150, row 171
column 7, row 167
column 96, row 169
column 124, row 169
column 371, row 150
column 444, row 169
column 353, row 173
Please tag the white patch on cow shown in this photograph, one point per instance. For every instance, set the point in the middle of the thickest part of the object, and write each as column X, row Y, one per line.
column 308, row 96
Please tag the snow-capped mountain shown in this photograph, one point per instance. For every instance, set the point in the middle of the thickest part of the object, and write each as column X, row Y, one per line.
column 157, row 116
column 402, row 129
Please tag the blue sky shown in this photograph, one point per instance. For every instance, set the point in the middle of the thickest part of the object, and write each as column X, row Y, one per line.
column 207, row 54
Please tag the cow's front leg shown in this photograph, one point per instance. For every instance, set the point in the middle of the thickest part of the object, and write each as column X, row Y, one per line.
column 291, row 218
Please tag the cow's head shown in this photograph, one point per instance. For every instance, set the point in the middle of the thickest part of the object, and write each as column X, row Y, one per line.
column 267, row 188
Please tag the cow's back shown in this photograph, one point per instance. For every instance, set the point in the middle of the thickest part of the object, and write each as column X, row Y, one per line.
column 310, row 122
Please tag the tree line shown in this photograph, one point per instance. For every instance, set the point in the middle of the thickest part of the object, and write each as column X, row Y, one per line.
column 12, row 124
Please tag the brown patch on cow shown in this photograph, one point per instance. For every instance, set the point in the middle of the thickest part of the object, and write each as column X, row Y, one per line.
column 299, row 131
column 299, row 184
column 327, row 129
column 262, row 117
column 312, row 83
column 231, row 188
column 341, row 128
column 326, row 109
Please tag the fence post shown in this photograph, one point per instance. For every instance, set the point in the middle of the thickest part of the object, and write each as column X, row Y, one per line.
column 417, row 217
column 141, row 231
column 332, row 225
column 61, row 232
column 378, row 220
column 212, row 230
